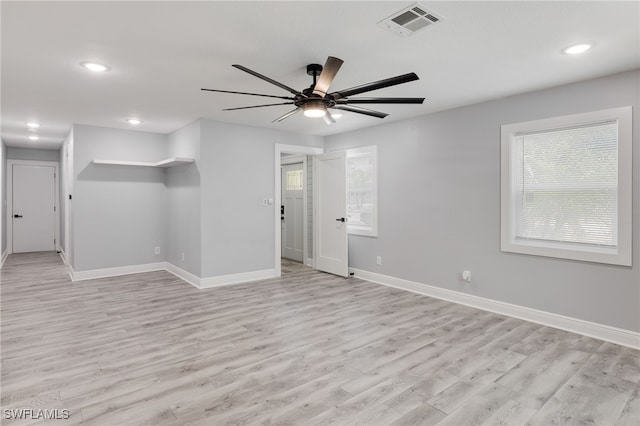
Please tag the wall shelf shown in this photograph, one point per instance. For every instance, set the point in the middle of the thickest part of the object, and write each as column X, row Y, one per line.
column 169, row 162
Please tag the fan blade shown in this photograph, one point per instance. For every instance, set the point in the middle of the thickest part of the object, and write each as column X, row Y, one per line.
column 287, row 115
column 327, row 75
column 267, row 79
column 360, row 110
column 257, row 106
column 328, row 118
column 405, row 78
column 380, row 101
column 245, row 93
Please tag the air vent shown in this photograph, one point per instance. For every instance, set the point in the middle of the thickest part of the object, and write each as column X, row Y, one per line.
column 410, row 20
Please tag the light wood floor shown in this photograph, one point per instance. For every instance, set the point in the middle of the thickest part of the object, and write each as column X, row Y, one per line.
column 307, row 349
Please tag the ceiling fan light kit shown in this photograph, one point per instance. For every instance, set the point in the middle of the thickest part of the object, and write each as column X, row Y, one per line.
column 316, row 101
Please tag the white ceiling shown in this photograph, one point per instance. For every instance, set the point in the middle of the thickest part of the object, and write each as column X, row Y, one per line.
column 162, row 53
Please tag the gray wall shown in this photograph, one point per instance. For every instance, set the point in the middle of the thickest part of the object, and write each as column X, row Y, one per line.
column 184, row 207
column 238, row 233
column 3, row 197
column 120, row 212
column 439, row 207
column 33, row 154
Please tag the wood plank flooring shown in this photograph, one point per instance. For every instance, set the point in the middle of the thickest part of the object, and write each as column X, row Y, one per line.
column 306, row 349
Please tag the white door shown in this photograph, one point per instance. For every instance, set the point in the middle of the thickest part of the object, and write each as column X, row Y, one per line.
column 33, row 216
column 293, row 206
column 330, row 201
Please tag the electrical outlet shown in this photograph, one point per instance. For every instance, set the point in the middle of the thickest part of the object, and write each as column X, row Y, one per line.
column 378, row 260
column 466, row 275
column 156, row 250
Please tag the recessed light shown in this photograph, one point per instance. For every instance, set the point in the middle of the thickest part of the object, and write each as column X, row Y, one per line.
column 33, row 125
column 336, row 114
column 34, row 137
column 577, row 49
column 95, row 66
column 134, row 121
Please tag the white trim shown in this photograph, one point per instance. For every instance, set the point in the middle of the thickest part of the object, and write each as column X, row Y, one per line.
column 240, row 278
column 56, row 198
column 278, row 150
column 620, row 255
column 599, row 331
column 114, row 272
column 63, row 256
column 183, row 275
column 309, row 261
column 188, row 277
column 4, row 257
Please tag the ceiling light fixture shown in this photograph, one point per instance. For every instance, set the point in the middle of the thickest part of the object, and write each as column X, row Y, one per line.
column 134, row 121
column 577, row 49
column 34, row 137
column 314, row 109
column 95, row 66
column 33, row 125
column 336, row 114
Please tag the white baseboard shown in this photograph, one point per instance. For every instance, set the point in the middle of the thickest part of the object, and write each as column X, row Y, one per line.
column 183, row 275
column 309, row 262
column 242, row 277
column 190, row 278
column 113, row 272
column 63, row 256
column 599, row 331
column 4, row 256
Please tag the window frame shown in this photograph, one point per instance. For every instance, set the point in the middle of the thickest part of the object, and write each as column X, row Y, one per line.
column 372, row 152
column 622, row 253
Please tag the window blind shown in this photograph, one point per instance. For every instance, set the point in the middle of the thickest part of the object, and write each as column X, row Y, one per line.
column 566, row 184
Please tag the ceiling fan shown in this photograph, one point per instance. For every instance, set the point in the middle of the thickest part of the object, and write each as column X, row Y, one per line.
column 315, row 101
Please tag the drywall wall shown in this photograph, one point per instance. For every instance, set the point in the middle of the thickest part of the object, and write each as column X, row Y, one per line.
column 439, row 207
column 184, row 207
column 238, row 232
column 119, row 212
column 33, row 154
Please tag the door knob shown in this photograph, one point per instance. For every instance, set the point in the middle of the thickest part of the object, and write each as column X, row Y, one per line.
column 17, row 215
column 342, row 219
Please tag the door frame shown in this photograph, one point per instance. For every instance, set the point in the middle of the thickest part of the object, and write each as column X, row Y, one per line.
column 56, row 199
column 277, row 189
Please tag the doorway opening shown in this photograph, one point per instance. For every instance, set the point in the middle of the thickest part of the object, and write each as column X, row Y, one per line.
column 301, row 228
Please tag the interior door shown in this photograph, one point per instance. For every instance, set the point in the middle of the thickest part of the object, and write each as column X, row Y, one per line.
column 330, row 201
column 292, row 217
column 33, row 216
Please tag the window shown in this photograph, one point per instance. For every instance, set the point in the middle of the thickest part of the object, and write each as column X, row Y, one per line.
column 362, row 205
column 566, row 187
column 294, row 180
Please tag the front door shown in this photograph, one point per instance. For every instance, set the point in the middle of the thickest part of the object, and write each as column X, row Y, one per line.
column 33, row 215
column 330, row 201
column 292, row 211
